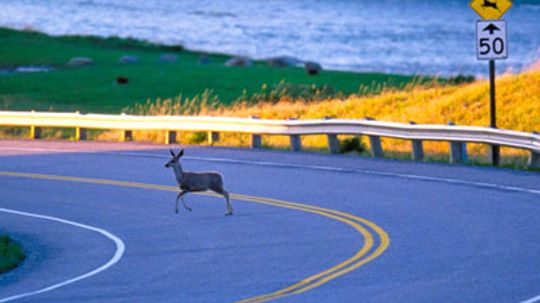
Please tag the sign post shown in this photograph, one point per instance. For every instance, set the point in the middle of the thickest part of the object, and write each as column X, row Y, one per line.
column 491, row 44
column 495, row 149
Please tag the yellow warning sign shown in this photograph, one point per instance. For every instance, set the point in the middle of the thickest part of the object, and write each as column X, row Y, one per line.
column 490, row 9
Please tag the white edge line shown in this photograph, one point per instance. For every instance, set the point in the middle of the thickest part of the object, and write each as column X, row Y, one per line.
column 120, row 248
column 347, row 170
column 329, row 168
column 532, row 300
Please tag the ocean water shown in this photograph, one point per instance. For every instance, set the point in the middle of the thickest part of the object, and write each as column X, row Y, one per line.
column 435, row 37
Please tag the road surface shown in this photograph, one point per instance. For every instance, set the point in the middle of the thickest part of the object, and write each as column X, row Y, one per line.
column 98, row 224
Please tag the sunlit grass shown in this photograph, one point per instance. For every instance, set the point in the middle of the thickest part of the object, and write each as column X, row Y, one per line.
column 518, row 108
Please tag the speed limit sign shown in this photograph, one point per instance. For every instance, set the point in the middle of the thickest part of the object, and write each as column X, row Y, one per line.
column 491, row 42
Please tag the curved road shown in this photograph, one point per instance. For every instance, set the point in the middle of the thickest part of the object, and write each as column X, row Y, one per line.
column 99, row 226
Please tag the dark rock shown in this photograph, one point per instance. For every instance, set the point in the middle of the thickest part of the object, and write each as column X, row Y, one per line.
column 239, row 61
column 313, row 68
column 79, row 61
column 128, row 59
column 284, row 61
column 122, row 80
column 204, row 60
column 168, row 58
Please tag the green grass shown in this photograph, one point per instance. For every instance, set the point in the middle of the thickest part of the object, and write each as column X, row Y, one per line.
column 11, row 254
column 93, row 89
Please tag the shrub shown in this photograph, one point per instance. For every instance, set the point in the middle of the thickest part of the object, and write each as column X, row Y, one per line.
column 353, row 144
column 11, row 254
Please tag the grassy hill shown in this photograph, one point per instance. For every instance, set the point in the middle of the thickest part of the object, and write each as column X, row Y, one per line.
column 518, row 104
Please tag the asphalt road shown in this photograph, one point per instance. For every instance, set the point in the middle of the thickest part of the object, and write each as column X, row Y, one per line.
column 361, row 230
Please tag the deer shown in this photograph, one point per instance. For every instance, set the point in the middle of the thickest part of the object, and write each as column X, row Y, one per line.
column 493, row 5
column 196, row 182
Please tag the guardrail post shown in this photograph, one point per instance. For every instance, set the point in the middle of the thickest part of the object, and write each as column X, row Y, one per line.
column 126, row 135
column 35, row 132
column 170, row 137
column 417, row 147
column 375, row 143
column 80, row 134
column 213, row 137
column 333, row 141
column 534, row 157
column 256, row 139
column 296, row 141
column 458, row 150
column 376, row 146
column 534, row 160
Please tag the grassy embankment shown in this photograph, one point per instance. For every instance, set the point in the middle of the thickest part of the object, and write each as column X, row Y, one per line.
column 11, row 254
column 467, row 104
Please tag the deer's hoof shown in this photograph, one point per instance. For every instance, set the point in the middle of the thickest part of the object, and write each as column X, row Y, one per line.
column 189, row 209
column 228, row 214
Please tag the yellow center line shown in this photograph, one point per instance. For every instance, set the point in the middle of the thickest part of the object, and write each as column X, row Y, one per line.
column 359, row 259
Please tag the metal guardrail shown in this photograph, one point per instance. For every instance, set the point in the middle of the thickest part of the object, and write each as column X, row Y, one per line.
column 458, row 136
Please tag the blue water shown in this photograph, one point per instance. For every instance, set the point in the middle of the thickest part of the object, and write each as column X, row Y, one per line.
column 412, row 37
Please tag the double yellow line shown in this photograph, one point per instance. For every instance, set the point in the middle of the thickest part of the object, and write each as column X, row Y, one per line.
column 376, row 241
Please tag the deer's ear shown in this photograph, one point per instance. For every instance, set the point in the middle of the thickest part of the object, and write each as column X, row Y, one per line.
column 181, row 153
column 172, row 153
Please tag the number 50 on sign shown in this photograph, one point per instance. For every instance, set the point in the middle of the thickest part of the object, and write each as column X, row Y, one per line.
column 491, row 42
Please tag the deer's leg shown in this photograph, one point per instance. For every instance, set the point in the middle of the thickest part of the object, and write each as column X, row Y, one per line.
column 229, row 206
column 180, row 194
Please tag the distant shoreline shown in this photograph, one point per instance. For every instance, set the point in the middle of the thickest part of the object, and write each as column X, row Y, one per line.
column 385, row 36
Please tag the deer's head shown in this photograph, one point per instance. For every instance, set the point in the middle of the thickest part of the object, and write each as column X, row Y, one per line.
column 175, row 158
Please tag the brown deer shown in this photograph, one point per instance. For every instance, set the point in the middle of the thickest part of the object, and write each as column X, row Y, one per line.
column 196, row 182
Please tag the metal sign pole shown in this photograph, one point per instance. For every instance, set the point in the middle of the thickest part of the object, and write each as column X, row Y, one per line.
column 495, row 149
column 491, row 44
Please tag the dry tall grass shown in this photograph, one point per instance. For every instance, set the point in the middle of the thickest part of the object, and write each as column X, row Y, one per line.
column 518, row 108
